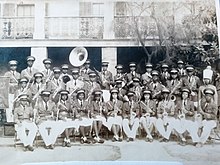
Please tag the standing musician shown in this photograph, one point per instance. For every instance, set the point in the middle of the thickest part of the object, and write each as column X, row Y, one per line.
column 164, row 74
column 180, row 68
column 121, row 91
column 132, row 73
column 207, row 79
column 114, row 115
column 65, row 115
column 119, row 74
column 165, row 115
column 146, row 78
column 205, row 120
column 24, row 125
column 106, row 76
column 65, row 76
column 82, row 111
column 45, row 110
column 14, row 76
column 47, row 72
column 148, row 113
column 76, row 83
column 98, row 113
column 174, row 85
column 91, row 86
column 55, row 84
column 155, row 86
column 131, row 114
column 37, row 86
column 86, row 70
column 30, row 70
column 193, row 82
column 137, row 89
column 22, row 89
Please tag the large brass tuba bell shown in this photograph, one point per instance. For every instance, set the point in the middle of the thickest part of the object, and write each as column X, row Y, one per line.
column 78, row 56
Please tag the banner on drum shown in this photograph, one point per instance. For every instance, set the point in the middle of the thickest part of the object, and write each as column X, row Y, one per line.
column 4, row 86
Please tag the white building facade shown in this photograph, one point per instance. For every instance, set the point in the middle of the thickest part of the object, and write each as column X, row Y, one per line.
column 108, row 24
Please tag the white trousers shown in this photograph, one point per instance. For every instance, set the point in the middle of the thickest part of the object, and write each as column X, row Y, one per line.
column 117, row 120
column 85, row 122
column 148, row 121
column 50, row 130
column 26, row 132
column 130, row 127
column 160, row 126
column 206, row 125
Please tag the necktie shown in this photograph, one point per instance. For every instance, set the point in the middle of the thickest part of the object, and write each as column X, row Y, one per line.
column 57, row 82
column 172, row 82
column 30, row 71
column 46, row 106
column 47, row 72
column 155, row 86
column 13, row 73
column 38, row 87
column 75, row 82
column 81, row 103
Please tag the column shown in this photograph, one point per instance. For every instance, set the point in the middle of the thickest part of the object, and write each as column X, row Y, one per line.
column 217, row 4
column 110, row 55
column 40, row 53
column 39, row 32
column 108, row 20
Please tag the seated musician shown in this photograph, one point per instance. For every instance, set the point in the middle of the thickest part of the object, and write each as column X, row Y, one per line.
column 130, row 117
column 55, row 84
column 98, row 113
column 186, row 111
column 37, row 86
column 208, row 109
column 22, row 89
column 25, row 127
column 65, row 114
column 148, row 113
column 114, row 115
column 81, row 109
column 45, row 110
column 165, row 114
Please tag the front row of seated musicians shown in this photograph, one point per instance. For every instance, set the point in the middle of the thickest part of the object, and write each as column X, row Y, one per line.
column 53, row 103
column 121, row 118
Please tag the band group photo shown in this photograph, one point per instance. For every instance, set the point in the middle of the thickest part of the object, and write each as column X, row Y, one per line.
column 169, row 103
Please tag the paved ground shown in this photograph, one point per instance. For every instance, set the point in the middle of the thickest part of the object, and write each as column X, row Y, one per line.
column 138, row 150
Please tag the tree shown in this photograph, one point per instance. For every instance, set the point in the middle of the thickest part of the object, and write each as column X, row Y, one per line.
column 192, row 34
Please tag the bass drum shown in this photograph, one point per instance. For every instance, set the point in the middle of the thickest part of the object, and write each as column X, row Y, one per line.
column 106, row 95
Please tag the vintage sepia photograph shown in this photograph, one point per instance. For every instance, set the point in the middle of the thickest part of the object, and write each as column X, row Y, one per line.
column 109, row 82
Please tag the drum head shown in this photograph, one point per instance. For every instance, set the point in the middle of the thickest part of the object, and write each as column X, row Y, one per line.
column 106, row 95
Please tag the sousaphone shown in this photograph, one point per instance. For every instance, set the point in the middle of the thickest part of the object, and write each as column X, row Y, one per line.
column 78, row 56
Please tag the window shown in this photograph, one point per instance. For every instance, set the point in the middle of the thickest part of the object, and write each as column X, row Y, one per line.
column 91, row 9
column 97, row 9
column 25, row 10
column 9, row 9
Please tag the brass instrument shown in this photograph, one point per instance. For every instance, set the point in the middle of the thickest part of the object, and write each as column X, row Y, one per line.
column 78, row 56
